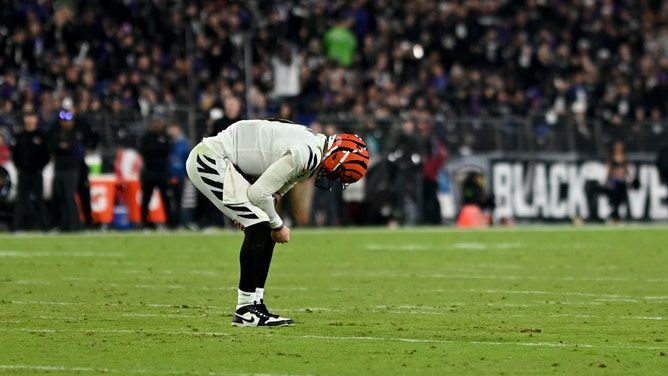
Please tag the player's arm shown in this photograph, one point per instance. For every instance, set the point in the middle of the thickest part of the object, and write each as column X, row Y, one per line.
column 271, row 181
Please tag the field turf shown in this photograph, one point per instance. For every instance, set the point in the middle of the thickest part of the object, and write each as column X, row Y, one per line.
column 435, row 301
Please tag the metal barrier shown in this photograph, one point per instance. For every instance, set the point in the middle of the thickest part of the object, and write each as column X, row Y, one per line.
column 462, row 135
column 509, row 134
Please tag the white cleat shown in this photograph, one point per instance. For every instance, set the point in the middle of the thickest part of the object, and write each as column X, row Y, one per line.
column 251, row 315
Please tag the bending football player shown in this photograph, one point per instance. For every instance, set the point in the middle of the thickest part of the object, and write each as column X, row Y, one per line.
column 274, row 155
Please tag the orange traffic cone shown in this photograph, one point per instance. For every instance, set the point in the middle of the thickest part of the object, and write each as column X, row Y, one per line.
column 472, row 216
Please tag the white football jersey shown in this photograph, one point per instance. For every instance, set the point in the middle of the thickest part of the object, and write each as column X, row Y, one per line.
column 254, row 145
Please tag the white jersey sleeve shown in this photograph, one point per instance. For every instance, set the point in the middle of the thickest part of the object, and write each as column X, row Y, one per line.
column 306, row 160
column 299, row 164
column 261, row 191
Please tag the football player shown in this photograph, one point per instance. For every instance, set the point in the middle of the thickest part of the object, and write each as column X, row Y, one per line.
column 245, row 169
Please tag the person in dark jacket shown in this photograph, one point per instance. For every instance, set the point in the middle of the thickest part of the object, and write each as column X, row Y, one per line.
column 616, row 187
column 473, row 192
column 89, row 140
column 30, row 154
column 231, row 115
column 662, row 163
column 155, row 149
column 406, row 152
column 66, row 148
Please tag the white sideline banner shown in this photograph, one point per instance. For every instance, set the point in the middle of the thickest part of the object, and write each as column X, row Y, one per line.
column 545, row 189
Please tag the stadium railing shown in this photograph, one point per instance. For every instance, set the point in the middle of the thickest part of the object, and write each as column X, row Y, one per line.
column 462, row 135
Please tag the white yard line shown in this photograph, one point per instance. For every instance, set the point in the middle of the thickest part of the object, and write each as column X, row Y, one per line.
column 110, row 304
column 68, row 369
column 172, row 316
column 345, row 338
column 398, row 310
column 16, row 367
column 611, row 297
column 64, row 318
column 432, row 311
column 651, row 318
column 31, row 282
column 439, row 246
column 341, row 274
column 344, row 274
column 34, row 254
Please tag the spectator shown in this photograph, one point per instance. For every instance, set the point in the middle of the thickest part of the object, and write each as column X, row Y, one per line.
column 326, row 206
column 9, row 86
column 286, row 69
column 5, row 153
column 662, row 163
column 5, row 186
column 435, row 155
column 231, row 114
column 155, row 149
column 340, row 43
column 89, row 138
column 30, row 154
column 619, row 111
column 177, row 171
column 120, row 123
column 406, row 153
column 7, row 121
column 65, row 146
column 615, row 183
column 473, row 192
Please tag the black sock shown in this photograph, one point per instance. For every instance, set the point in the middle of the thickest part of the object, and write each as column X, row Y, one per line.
column 265, row 262
column 251, row 257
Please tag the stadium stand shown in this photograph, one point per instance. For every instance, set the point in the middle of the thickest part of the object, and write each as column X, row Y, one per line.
column 467, row 59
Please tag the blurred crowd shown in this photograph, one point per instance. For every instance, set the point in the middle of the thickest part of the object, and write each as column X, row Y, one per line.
column 603, row 58
column 416, row 60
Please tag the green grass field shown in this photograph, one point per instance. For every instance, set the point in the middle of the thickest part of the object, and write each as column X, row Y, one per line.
column 565, row 301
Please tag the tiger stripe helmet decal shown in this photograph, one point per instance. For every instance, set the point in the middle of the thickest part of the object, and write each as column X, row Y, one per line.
column 345, row 160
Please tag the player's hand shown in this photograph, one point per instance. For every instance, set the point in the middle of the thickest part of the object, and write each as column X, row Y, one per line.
column 239, row 226
column 282, row 235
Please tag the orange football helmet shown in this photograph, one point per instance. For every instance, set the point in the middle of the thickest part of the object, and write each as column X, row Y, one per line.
column 346, row 159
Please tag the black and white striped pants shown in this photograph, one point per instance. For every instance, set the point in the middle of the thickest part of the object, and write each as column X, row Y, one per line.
column 209, row 173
